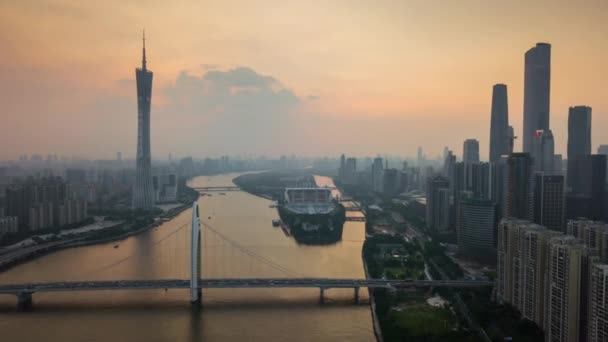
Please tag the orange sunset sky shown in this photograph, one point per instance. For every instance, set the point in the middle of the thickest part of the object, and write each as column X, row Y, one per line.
column 247, row 78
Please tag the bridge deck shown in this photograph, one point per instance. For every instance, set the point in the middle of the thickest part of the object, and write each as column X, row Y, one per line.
column 324, row 283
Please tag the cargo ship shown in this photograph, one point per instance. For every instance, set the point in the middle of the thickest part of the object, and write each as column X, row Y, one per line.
column 312, row 215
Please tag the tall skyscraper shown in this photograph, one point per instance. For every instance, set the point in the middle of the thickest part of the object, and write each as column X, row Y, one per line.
column 499, row 123
column 537, row 87
column 438, row 204
column 350, row 171
column 476, row 226
column 470, row 152
column 588, row 193
column 519, row 187
column 603, row 149
column 479, row 181
column 549, row 201
column 579, row 142
column 567, row 265
column 544, row 152
column 377, row 174
column 143, row 191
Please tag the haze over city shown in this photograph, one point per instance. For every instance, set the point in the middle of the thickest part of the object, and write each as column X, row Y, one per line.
column 307, row 78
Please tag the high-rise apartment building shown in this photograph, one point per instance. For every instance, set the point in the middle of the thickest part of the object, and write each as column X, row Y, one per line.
column 567, row 264
column 143, row 191
column 594, row 234
column 532, row 255
column 508, row 266
column 598, row 304
column 537, row 88
column 499, row 123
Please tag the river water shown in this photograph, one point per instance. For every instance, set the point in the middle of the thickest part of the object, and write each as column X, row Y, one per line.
column 241, row 242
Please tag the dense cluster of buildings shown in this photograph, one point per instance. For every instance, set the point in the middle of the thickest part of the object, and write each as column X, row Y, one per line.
column 38, row 204
column 538, row 214
column 554, row 279
column 533, row 185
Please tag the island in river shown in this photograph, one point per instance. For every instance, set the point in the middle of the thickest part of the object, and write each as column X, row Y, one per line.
column 310, row 212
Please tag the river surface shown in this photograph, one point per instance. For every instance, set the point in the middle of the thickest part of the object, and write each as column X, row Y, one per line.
column 240, row 243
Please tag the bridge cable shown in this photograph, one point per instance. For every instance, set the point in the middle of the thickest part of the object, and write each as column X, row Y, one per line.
column 120, row 261
column 252, row 254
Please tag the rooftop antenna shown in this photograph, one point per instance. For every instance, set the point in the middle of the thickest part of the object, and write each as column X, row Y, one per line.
column 143, row 60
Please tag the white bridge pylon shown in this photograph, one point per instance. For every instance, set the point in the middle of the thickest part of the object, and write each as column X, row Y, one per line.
column 195, row 255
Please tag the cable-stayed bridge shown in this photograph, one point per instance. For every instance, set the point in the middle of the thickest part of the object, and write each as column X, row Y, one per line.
column 195, row 282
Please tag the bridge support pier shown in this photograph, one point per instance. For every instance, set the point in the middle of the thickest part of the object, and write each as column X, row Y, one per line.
column 357, row 295
column 24, row 301
column 322, row 295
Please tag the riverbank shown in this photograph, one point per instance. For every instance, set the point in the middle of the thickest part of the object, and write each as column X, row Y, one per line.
column 37, row 251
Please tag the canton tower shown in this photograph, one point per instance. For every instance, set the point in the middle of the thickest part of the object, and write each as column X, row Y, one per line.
column 143, row 195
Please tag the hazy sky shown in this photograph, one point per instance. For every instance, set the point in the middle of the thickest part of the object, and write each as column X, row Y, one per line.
column 280, row 77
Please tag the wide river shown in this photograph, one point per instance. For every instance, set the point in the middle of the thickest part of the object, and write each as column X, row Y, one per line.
column 240, row 242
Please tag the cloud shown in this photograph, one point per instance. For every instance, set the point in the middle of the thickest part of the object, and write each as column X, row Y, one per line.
column 209, row 66
column 236, row 111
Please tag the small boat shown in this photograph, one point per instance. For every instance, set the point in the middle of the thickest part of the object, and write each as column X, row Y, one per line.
column 276, row 222
column 115, row 246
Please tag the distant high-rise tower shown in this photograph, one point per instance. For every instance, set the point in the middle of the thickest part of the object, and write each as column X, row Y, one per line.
column 537, row 85
column 543, row 152
column 342, row 167
column 499, row 123
column 579, row 142
column 519, row 187
column 549, row 201
column 438, row 204
column 143, row 192
column 470, row 153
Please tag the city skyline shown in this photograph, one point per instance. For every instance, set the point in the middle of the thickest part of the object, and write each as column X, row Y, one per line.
column 383, row 81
